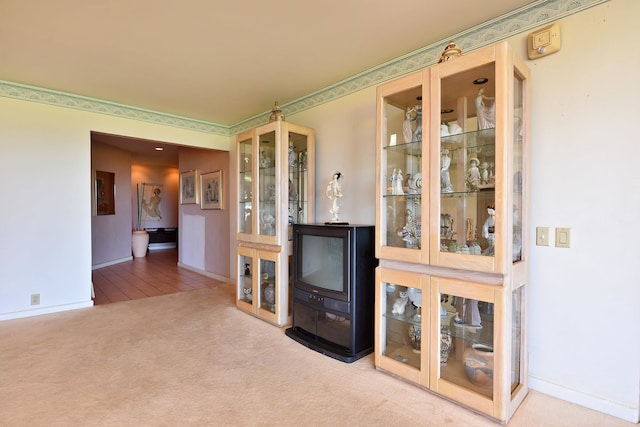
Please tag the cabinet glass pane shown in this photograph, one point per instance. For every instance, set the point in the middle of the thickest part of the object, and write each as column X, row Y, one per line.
column 298, row 178
column 267, row 184
column 402, row 169
column 402, row 323
column 516, row 338
column 466, row 327
column 268, row 285
column 518, row 167
column 468, row 162
column 245, row 264
column 245, row 167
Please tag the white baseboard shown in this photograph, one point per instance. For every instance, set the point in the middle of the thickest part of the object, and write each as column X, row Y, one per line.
column 206, row 273
column 615, row 409
column 45, row 310
column 115, row 261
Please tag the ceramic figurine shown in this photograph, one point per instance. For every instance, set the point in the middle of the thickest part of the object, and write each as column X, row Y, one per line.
column 292, row 156
column 407, row 125
column 276, row 113
column 486, row 114
column 400, row 303
column 445, row 179
column 473, row 174
column 247, row 295
column 334, row 193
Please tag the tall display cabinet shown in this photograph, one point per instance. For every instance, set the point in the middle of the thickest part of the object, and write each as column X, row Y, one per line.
column 452, row 229
column 275, row 190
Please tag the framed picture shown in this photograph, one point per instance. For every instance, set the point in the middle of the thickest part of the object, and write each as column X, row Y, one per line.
column 211, row 190
column 105, row 193
column 189, row 187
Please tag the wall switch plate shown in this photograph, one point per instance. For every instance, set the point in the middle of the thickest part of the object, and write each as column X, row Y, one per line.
column 35, row 299
column 563, row 237
column 543, row 41
column 542, row 236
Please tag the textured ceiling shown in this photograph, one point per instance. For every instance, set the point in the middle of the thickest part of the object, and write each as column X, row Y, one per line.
column 219, row 62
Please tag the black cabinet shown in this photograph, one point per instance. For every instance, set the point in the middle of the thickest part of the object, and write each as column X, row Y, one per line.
column 334, row 289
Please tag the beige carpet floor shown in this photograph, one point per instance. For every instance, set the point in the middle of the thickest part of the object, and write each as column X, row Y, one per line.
column 193, row 359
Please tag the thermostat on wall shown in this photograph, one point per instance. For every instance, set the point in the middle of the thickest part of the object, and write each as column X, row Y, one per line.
column 544, row 41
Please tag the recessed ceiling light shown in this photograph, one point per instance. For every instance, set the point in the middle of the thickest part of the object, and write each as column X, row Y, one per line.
column 447, row 111
column 159, row 149
column 480, row 81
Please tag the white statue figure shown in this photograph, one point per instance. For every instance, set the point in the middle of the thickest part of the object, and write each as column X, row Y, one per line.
column 407, row 127
column 400, row 303
column 412, row 186
column 484, row 173
column 417, row 133
column 265, row 160
column 396, row 182
column 292, row 156
column 334, row 193
column 444, row 130
column 454, row 129
column 268, row 223
column 445, row 179
column 471, row 312
column 473, row 174
column 488, row 229
column 486, row 114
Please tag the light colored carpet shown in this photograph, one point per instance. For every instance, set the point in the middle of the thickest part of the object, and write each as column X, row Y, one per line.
column 193, row 359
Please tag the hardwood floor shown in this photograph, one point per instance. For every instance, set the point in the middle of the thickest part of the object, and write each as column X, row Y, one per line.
column 156, row 274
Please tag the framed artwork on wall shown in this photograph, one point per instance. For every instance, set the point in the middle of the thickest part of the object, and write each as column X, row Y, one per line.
column 105, row 193
column 189, row 187
column 211, row 190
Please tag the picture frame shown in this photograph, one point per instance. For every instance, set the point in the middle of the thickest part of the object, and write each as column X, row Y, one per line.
column 189, row 187
column 211, row 190
column 105, row 193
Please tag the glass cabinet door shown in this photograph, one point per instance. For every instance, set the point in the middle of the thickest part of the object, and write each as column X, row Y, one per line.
column 270, row 296
column 401, row 345
column 401, row 174
column 267, row 185
column 298, row 192
column 468, row 162
column 245, row 185
column 467, row 338
column 246, row 268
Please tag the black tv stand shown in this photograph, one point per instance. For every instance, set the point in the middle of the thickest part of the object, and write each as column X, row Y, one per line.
column 338, row 324
column 325, row 347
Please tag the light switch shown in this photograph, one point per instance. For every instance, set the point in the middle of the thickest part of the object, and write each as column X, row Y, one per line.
column 544, row 41
column 542, row 236
column 563, row 237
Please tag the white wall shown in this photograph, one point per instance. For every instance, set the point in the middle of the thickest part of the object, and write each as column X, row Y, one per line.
column 584, row 315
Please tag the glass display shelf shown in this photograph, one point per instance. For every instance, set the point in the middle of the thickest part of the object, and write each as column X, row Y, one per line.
column 403, row 324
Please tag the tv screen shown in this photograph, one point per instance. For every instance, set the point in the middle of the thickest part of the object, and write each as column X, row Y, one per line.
column 322, row 261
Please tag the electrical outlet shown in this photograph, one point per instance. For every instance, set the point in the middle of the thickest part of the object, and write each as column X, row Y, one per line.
column 542, row 236
column 35, row 299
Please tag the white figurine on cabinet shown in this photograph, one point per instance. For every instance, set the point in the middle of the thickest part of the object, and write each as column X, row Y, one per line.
column 473, row 174
column 396, row 183
column 334, row 193
column 400, row 303
column 486, row 115
column 445, row 179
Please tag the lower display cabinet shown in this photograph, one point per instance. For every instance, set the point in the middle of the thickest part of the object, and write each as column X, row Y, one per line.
column 459, row 338
column 263, row 285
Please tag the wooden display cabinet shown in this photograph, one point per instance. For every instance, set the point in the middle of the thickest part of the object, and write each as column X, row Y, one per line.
column 452, row 161
column 275, row 190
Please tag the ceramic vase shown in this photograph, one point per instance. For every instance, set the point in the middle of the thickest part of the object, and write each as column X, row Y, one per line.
column 478, row 365
column 139, row 243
